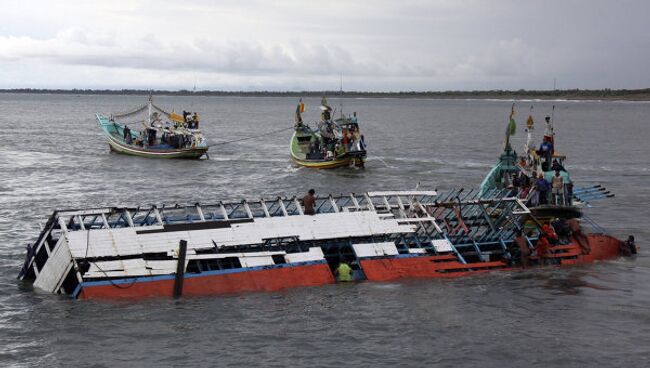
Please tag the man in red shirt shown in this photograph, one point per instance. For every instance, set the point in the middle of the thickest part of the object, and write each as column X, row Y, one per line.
column 542, row 248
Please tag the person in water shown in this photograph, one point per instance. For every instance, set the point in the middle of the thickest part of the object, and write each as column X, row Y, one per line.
column 343, row 272
column 628, row 247
column 309, row 200
column 549, row 231
column 542, row 247
column 579, row 236
column 524, row 251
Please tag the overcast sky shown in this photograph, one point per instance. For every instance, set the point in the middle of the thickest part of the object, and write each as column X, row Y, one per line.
column 304, row 45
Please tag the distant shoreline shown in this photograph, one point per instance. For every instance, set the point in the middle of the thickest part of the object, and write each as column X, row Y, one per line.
column 570, row 94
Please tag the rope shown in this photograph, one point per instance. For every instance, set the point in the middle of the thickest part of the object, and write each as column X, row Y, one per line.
column 160, row 109
column 113, row 283
column 101, row 270
column 594, row 224
column 255, row 136
column 132, row 112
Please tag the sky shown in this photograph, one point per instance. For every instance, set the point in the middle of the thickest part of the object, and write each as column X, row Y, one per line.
column 375, row 45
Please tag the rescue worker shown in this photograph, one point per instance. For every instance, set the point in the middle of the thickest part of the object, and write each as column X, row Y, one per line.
column 127, row 135
column 541, row 185
column 354, row 117
column 343, row 272
column 579, row 236
column 524, row 251
column 557, row 188
column 549, row 231
column 309, row 200
column 542, row 248
column 195, row 117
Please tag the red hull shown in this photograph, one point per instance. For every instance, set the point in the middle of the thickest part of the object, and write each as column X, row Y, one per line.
column 259, row 280
column 445, row 266
column 602, row 247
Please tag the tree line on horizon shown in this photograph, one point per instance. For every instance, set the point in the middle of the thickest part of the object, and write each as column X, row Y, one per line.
column 521, row 93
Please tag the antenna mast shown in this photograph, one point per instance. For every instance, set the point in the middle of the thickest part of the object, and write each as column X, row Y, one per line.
column 341, row 93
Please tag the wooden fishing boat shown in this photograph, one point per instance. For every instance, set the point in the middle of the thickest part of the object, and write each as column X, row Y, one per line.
column 268, row 245
column 160, row 135
column 334, row 143
column 546, row 161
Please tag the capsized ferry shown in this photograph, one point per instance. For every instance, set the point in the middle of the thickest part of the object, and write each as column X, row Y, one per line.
column 270, row 244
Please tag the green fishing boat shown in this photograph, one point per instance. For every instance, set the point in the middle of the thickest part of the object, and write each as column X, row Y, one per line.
column 539, row 176
column 332, row 143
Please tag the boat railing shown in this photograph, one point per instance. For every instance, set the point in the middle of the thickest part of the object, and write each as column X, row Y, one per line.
column 457, row 216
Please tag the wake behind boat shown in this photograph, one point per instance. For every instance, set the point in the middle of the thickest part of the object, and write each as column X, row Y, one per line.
column 334, row 143
column 160, row 134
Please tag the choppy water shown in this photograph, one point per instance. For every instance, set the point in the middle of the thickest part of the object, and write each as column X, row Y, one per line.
column 52, row 155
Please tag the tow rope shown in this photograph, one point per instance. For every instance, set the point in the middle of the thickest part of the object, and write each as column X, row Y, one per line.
column 255, row 136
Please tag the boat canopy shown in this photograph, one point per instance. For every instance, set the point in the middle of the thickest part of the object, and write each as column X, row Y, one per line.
column 176, row 118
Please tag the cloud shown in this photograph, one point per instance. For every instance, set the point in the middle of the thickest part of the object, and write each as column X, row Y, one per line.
column 377, row 44
column 79, row 47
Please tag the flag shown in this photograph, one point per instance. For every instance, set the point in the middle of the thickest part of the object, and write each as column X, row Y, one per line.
column 301, row 107
column 512, row 126
column 530, row 123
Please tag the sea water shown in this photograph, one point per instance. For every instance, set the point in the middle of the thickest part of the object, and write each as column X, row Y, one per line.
column 53, row 156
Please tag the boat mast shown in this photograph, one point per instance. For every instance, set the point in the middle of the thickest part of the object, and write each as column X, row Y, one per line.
column 529, row 130
column 341, row 93
column 150, row 103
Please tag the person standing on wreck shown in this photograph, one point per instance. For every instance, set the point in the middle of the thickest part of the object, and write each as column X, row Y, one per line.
column 309, row 200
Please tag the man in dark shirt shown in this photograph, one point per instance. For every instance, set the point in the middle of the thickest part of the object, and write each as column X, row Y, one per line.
column 308, row 201
column 542, row 187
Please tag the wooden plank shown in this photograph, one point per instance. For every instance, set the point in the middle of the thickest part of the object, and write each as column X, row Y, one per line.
column 54, row 269
column 125, row 241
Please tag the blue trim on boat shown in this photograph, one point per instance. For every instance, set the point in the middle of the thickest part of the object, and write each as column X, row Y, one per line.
column 76, row 292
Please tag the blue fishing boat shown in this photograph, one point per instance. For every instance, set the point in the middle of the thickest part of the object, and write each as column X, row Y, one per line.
column 160, row 134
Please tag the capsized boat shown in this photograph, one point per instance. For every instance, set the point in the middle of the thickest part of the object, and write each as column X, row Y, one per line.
column 160, row 134
column 333, row 143
column 270, row 244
